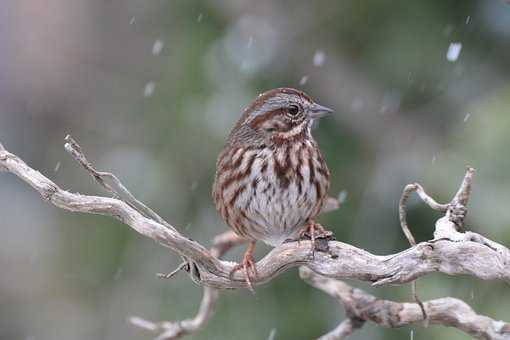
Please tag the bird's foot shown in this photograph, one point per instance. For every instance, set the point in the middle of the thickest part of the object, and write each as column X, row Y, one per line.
column 247, row 265
column 314, row 231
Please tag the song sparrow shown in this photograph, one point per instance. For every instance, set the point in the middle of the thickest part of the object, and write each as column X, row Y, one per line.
column 271, row 178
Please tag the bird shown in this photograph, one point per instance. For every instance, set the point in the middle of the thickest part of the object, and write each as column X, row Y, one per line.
column 271, row 178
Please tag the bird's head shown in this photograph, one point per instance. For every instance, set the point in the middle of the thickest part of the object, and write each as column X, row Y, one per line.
column 282, row 113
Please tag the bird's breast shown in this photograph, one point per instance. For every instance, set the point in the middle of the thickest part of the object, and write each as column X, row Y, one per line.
column 277, row 190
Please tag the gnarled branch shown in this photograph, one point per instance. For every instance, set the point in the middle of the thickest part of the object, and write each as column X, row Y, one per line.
column 451, row 254
column 361, row 306
column 450, row 251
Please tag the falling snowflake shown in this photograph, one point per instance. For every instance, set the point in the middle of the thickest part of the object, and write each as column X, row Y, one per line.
column 250, row 42
column 342, row 196
column 200, row 17
column 132, row 20
column 318, row 58
column 466, row 117
column 272, row 334
column 454, row 51
column 157, row 47
column 303, row 80
column 410, row 77
column 57, row 166
column 149, row 89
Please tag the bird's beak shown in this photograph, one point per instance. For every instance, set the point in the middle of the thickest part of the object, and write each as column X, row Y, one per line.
column 318, row 111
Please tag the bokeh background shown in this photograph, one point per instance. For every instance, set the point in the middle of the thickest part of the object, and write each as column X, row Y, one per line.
column 151, row 89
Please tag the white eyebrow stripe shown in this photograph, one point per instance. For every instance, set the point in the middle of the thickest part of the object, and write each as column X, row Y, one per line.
column 274, row 103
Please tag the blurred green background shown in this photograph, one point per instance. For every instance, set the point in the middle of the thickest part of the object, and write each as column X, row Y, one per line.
column 151, row 89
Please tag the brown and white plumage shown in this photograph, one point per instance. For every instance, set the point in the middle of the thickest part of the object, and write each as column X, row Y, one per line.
column 271, row 178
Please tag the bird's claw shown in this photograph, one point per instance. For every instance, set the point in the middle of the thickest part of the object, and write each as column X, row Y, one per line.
column 247, row 264
column 314, row 231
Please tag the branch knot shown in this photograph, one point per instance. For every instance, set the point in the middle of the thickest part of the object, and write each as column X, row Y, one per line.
column 48, row 190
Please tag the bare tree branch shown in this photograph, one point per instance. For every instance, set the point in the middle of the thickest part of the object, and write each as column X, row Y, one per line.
column 445, row 311
column 456, row 211
column 408, row 190
column 75, row 151
column 450, row 251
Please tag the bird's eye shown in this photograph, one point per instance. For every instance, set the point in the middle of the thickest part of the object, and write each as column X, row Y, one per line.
column 293, row 110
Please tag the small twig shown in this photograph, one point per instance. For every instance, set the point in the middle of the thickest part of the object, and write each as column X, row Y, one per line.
column 462, row 195
column 344, row 329
column 455, row 210
column 182, row 266
column 174, row 330
column 408, row 190
column 75, row 150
